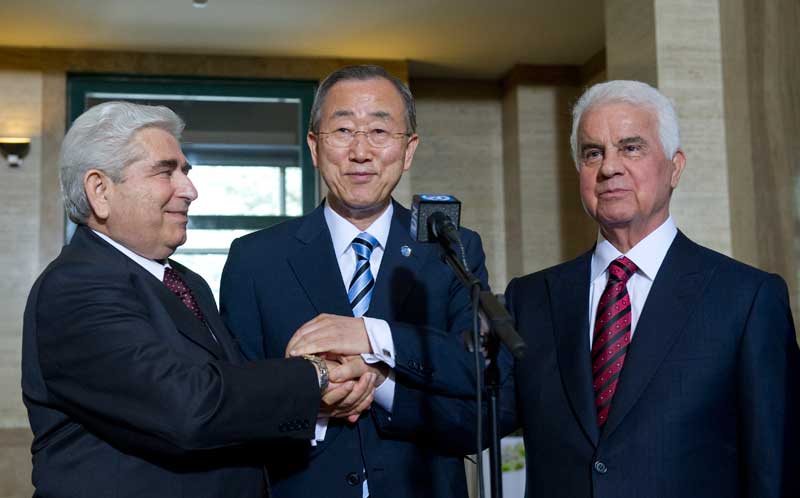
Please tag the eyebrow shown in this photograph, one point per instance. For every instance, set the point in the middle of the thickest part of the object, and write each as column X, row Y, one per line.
column 631, row 140
column 587, row 146
column 346, row 114
column 169, row 163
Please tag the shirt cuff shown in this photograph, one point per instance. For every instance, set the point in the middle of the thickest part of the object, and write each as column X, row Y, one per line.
column 380, row 340
column 322, row 425
column 384, row 393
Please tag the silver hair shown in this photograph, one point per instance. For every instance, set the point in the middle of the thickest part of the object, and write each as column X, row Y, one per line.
column 634, row 93
column 102, row 138
column 362, row 73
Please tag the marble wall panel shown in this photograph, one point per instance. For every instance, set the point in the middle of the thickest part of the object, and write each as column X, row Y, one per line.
column 461, row 154
column 20, row 115
column 690, row 72
column 553, row 226
column 15, row 463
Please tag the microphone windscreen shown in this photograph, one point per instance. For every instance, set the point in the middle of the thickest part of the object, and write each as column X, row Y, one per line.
column 424, row 205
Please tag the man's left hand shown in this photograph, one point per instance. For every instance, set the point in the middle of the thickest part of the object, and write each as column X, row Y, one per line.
column 333, row 334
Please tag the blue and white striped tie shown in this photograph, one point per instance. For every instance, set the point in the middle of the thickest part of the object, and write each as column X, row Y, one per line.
column 361, row 285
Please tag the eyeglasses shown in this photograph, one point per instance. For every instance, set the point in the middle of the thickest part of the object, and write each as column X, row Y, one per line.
column 344, row 137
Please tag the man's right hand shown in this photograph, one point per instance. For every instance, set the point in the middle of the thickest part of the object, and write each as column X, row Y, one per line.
column 353, row 391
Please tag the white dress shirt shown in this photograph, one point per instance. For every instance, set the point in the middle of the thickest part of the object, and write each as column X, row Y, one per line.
column 380, row 336
column 152, row 266
column 647, row 255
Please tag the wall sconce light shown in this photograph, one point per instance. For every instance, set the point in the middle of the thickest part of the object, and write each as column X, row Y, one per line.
column 14, row 149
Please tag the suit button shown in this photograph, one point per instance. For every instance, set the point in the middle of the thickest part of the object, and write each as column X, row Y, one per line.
column 600, row 467
column 353, row 479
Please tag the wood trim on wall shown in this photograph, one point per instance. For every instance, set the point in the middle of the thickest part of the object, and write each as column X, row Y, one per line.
column 528, row 74
column 176, row 64
column 557, row 75
column 455, row 88
column 594, row 68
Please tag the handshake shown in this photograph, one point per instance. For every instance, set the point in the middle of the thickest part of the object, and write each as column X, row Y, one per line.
column 340, row 341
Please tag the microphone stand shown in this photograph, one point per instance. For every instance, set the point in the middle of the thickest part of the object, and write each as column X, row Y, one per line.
column 501, row 329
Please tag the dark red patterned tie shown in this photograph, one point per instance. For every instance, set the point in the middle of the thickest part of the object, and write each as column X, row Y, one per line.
column 612, row 335
column 175, row 283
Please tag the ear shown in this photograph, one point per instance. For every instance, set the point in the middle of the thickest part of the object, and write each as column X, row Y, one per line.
column 312, row 141
column 678, row 163
column 411, row 147
column 98, row 187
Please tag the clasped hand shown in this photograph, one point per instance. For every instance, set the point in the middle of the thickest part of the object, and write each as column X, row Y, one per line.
column 341, row 340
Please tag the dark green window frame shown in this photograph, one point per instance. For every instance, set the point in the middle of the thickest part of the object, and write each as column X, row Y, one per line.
column 80, row 86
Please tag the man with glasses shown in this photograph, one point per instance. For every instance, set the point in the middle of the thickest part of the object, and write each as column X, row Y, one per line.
column 347, row 281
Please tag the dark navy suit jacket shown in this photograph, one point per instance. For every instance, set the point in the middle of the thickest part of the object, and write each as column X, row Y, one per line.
column 277, row 279
column 129, row 395
column 707, row 402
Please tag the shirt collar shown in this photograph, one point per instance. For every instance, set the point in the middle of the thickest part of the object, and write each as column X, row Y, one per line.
column 154, row 267
column 343, row 232
column 647, row 255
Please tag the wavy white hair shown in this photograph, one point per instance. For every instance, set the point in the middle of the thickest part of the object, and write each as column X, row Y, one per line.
column 101, row 138
column 635, row 93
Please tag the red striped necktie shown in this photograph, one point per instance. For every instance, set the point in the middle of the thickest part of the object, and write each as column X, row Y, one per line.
column 612, row 335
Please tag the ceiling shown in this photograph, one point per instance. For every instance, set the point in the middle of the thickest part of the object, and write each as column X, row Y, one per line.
column 440, row 38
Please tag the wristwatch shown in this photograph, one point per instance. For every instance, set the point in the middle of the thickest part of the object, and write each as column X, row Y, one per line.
column 322, row 368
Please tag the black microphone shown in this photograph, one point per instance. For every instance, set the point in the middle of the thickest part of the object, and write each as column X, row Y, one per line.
column 434, row 218
column 447, row 208
column 432, row 221
column 442, row 228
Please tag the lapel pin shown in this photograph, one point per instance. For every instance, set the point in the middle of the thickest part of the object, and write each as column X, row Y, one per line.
column 405, row 251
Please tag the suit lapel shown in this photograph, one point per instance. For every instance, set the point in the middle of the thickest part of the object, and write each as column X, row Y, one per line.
column 671, row 301
column 214, row 322
column 183, row 319
column 186, row 323
column 397, row 273
column 314, row 264
column 570, row 311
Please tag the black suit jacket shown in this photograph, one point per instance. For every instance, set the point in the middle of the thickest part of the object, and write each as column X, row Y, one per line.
column 129, row 395
column 707, row 402
column 277, row 279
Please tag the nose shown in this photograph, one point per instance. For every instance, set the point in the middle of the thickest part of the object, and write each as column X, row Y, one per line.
column 612, row 164
column 360, row 149
column 185, row 188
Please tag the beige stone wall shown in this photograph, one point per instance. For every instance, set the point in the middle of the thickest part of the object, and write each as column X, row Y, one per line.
column 544, row 216
column 506, row 157
column 20, row 115
column 460, row 153
column 731, row 67
column 21, row 101
column 680, row 54
column 630, row 40
column 15, row 463
column 690, row 72
column 760, row 44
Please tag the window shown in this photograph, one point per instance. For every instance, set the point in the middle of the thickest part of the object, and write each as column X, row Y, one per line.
column 246, row 143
